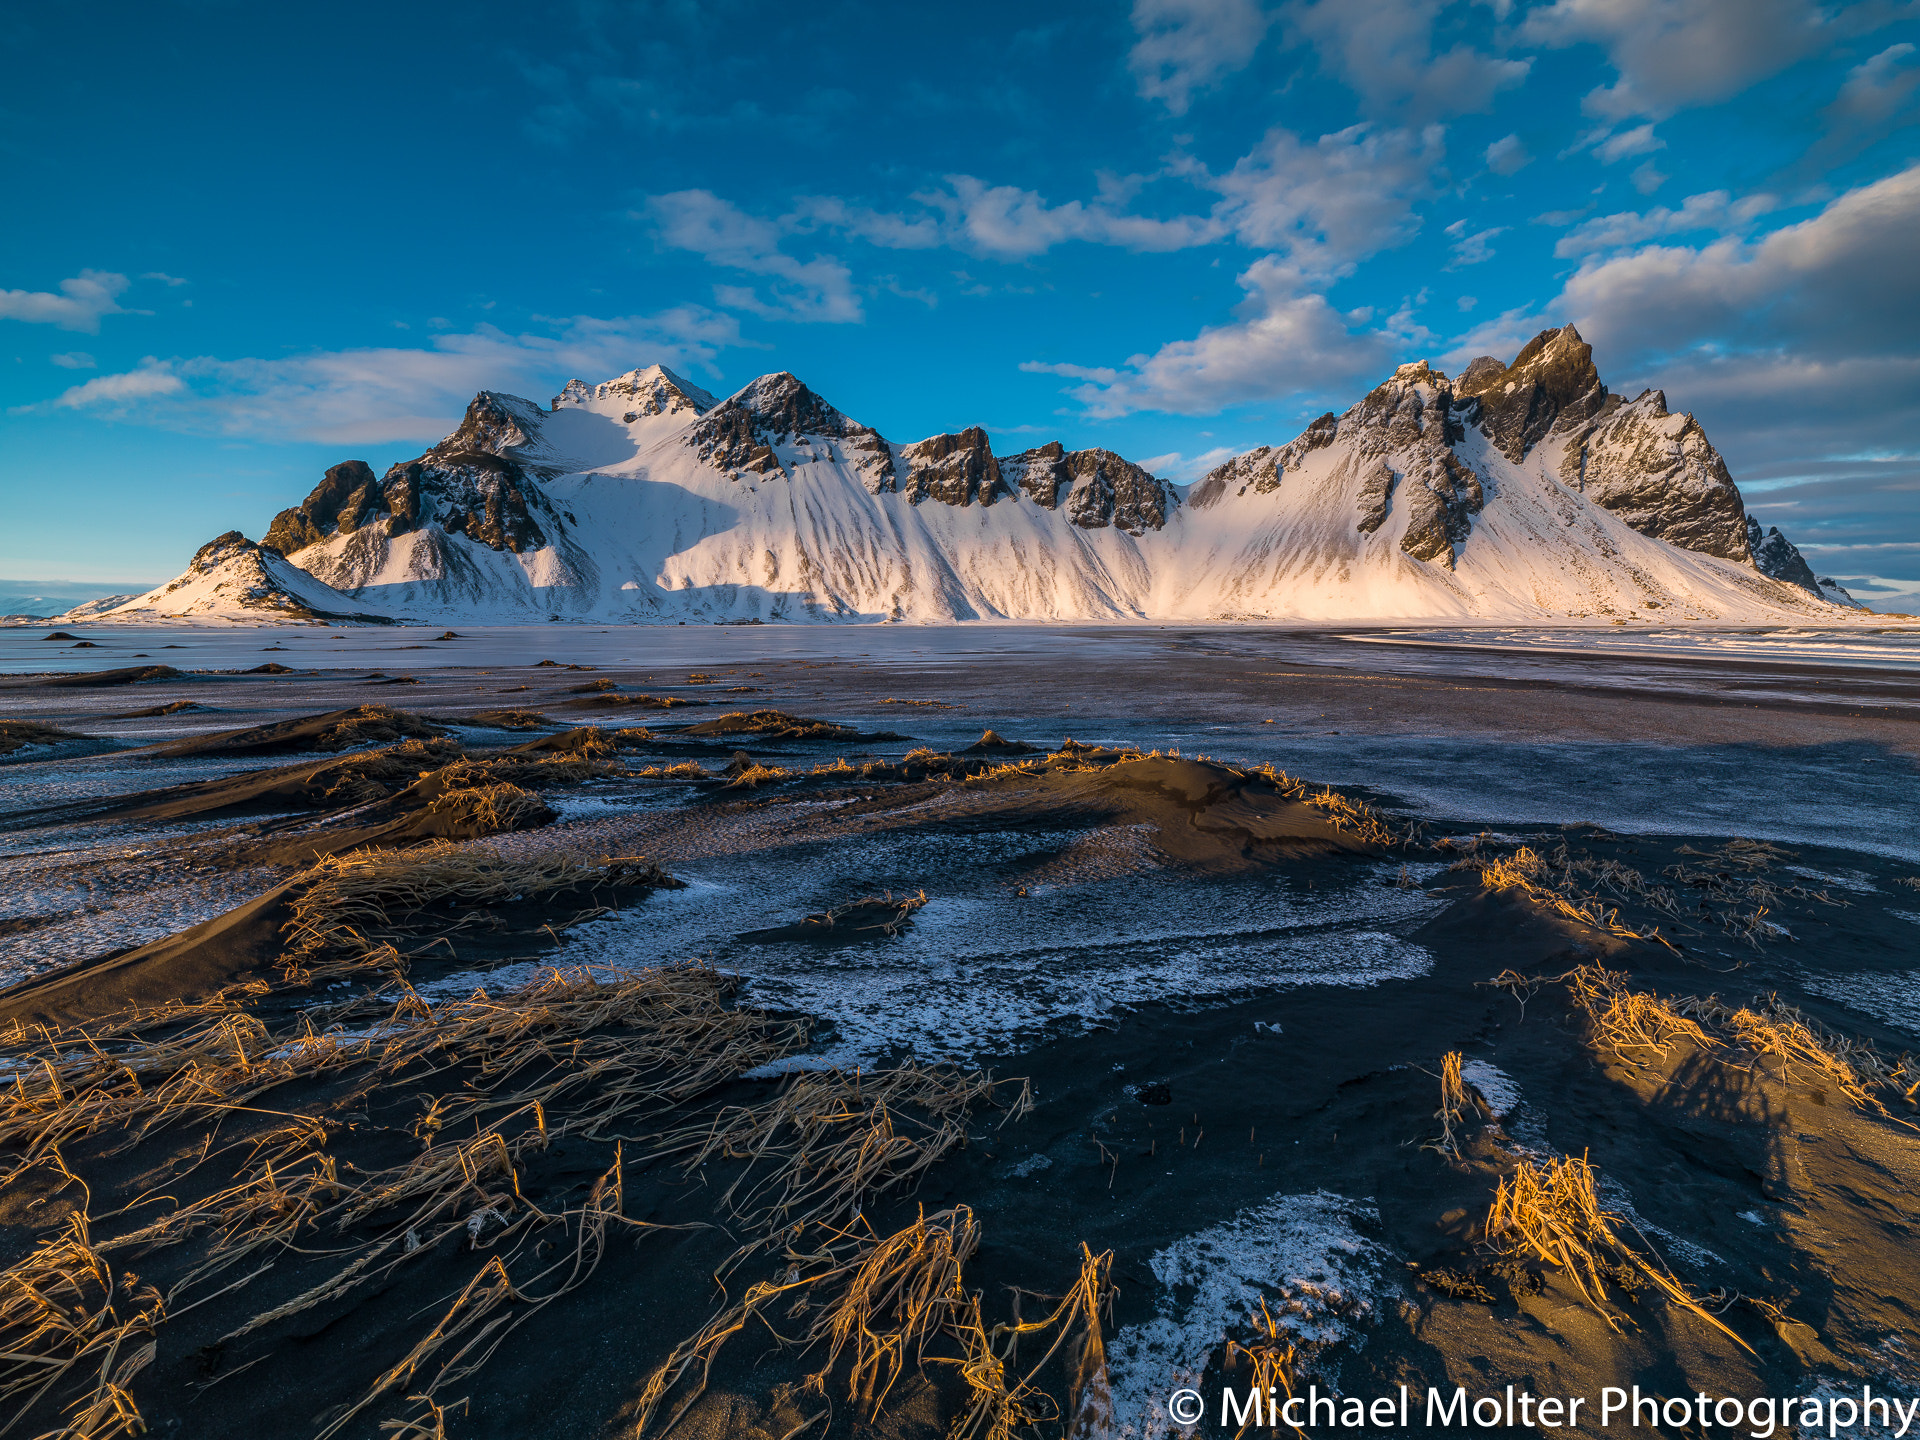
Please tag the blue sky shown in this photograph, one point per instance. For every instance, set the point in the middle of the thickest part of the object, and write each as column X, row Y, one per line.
column 246, row 241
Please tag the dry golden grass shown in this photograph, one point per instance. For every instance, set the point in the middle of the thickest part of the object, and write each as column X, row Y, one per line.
column 685, row 770
column 492, row 809
column 831, row 1141
column 1346, row 814
column 903, row 1293
column 1634, row 1024
column 1454, row 1103
column 1769, row 1026
column 1640, row 1027
column 574, row 1053
column 429, row 1422
column 755, row 775
column 348, row 910
column 1004, row 1402
column 1554, row 889
column 1271, row 1357
column 1551, row 1211
column 64, row 1308
column 493, row 1304
column 376, row 774
column 880, row 1297
column 537, row 771
column 69, row 1085
column 1521, row 987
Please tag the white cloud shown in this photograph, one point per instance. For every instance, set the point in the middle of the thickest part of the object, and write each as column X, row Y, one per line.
column 375, row 395
column 1638, row 141
column 1186, row 45
column 74, row 360
column 79, row 305
column 163, row 278
column 1507, row 156
column 149, row 379
column 820, row 289
column 1840, row 283
column 1714, row 210
column 1285, row 340
column 1324, row 203
column 1383, row 50
column 1331, row 202
column 1648, row 178
column 1879, row 88
column 1472, row 249
column 1671, row 54
column 1010, row 223
column 876, row 227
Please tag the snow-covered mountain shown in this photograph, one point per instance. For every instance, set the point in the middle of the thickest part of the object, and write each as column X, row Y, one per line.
column 1514, row 492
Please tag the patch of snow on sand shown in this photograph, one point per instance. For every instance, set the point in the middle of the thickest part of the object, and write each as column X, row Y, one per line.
column 1302, row 1254
column 1496, row 1087
column 1890, row 996
column 1858, row 881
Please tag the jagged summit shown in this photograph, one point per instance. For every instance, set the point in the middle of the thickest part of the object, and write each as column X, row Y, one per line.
column 1522, row 490
column 739, row 435
column 654, row 390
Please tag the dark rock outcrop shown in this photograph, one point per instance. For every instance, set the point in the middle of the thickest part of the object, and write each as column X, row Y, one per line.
column 1039, row 473
column 1109, row 490
column 1376, row 491
column 1441, row 504
column 1658, row 473
column 1403, row 435
column 472, row 483
column 956, row 469
column 342, row 488
column 1778, row 558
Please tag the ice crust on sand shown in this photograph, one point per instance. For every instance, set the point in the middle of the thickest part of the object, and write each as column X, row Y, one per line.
column 983, row 974
column 1890, row 996
column 1304, row 1255
column 1496, row 1087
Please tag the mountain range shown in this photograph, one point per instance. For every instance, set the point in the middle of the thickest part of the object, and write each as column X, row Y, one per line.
column 1524, row 491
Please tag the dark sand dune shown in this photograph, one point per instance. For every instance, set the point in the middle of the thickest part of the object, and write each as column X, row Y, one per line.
column 335, row 730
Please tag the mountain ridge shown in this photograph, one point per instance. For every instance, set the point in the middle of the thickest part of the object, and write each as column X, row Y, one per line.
column 1522, row 490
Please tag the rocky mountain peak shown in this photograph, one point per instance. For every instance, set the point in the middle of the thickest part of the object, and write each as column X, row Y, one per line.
column 652, row 390
column 1551, row 382
column 739, row 434
column 1415, row 404
column 494, row 424
column 1779, row 558
column 222, row 548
